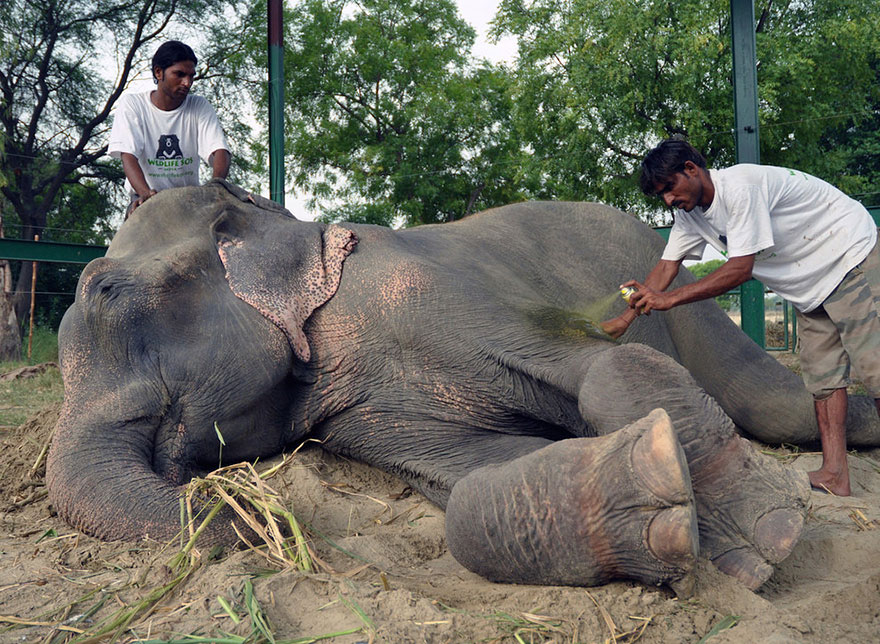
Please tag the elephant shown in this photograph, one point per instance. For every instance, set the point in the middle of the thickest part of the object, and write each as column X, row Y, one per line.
column 455, row 356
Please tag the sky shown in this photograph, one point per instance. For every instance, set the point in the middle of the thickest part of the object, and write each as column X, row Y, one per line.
column 478, row 13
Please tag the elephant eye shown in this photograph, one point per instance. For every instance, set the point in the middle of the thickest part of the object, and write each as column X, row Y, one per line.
column 103, row 294
column 106, row 286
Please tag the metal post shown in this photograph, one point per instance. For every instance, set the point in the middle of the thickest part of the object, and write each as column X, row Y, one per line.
column 745, row 98
column 33, row 302
column 752, row 308
column 745, row 80
column 276, row 101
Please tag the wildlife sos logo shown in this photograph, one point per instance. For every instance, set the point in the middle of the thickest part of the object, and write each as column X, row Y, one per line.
column 169, row 157
column 169, row 147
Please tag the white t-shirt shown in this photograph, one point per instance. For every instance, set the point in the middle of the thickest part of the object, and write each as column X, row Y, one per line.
column 806, row 234
column 167, row 144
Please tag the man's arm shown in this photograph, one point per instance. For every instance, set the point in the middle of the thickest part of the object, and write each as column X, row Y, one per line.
column 136, row 178
column 731, row 274
column 220, row 163
column 658, row 279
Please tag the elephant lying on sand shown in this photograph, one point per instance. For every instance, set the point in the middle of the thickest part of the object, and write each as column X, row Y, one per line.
column 447, row 355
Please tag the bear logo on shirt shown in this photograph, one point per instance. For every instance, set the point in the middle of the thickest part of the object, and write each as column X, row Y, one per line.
column 169, row 147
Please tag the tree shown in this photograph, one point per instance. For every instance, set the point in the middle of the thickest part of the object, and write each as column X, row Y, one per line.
column 387, row 118
column 601, row 81
column 818, row 72
column 55, row 106
column 10, row 345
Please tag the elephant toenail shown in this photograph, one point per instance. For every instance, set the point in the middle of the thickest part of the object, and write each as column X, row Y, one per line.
column 777, row 532
column 672, row 536
column 744, row 565
column 659, row 462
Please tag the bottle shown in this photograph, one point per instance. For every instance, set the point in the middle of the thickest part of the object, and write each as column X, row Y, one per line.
column 626, row 292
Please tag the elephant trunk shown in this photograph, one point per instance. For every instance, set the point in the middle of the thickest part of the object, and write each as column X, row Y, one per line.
column 101, row 481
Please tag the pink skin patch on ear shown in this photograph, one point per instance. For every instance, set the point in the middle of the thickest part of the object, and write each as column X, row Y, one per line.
column 304, row 293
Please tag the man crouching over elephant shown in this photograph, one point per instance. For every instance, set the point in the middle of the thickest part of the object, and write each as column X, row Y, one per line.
column 803, row 238
column 447, row 355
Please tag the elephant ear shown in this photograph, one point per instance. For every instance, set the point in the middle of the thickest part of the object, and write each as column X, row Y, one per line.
column 285, row 269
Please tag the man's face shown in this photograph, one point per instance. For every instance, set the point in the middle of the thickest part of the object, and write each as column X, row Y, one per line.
column 177, row 80
column 682, row 190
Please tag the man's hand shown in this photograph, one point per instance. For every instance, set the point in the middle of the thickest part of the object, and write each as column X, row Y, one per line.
column 137, row 202
column 731, row 274
column 142, row 198
column 646, row 299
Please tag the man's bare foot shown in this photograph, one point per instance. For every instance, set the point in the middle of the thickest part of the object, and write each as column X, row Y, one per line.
column 837, row 484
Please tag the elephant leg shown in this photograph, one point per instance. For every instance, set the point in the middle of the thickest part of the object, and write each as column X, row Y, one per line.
column 750, row 508
column 581, row 511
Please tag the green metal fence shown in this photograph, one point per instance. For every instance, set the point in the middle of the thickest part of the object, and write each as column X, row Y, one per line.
column 46, row 251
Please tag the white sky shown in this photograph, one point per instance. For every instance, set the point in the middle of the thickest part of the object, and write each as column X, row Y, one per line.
column 478, row 13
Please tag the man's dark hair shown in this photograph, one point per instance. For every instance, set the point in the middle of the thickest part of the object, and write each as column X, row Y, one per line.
column 664, row 161
column 172, row 52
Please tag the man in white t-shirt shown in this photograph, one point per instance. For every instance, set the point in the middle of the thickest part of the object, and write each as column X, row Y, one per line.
column 801, row 237
column 160, row 134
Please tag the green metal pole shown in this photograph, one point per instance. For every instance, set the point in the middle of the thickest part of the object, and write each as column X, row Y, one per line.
column 745, row 80
column 276, row 101
column 745, row 98
column 43, row 251
column 752, row 303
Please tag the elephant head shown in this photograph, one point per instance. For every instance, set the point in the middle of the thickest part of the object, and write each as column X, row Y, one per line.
column 194, row 317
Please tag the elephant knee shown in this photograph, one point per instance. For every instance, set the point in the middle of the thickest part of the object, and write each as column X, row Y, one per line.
column 627, row 382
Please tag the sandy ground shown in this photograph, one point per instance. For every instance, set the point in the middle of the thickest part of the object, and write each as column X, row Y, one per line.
column 393, row 579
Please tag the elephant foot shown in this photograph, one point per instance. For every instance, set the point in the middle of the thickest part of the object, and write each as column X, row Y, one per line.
column 751, row 510
column 582, row 512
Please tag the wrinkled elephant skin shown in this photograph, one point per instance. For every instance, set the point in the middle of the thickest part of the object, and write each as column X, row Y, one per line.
column 452, row 356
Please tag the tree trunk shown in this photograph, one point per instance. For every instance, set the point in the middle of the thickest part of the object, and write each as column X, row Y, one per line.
column 21, row 299
column 10, row 340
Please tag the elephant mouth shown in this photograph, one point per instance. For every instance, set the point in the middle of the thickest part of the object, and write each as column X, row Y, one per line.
column 201, row 437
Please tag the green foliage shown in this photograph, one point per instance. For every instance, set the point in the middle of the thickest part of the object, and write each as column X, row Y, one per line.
column 819, row 65
column 599, row 82
column 702, row 269
column 387, row 119
column 390, row 119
